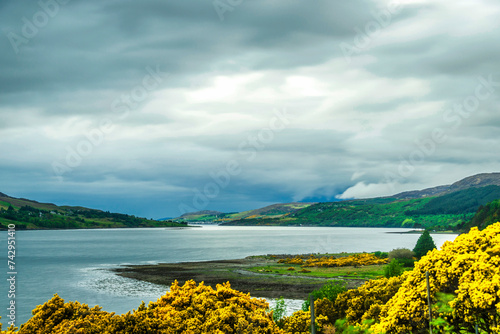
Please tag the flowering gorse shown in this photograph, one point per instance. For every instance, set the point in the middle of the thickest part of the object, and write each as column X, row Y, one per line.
column 189, row 309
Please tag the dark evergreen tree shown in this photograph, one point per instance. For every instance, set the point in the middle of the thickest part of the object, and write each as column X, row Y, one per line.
column 424, row 244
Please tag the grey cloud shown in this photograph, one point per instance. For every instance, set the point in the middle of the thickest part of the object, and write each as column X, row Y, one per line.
column 344, row 120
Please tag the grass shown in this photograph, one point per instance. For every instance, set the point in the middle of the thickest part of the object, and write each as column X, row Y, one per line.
column 348, row 272
column 6, row 222
column 363, row 272
column 4, row 205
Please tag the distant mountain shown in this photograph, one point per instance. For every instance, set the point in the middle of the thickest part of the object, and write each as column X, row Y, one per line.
column 442, row 207
column 271, row 211
column 199, row 214
column 435, row 191
column 475, row 181
column 29, row 214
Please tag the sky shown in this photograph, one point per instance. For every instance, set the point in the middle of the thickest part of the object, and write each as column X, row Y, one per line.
column 157, row 108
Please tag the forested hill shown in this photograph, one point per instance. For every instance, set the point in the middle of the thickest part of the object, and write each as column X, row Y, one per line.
column 440, row 208
column 486, row 215
column 28, row 214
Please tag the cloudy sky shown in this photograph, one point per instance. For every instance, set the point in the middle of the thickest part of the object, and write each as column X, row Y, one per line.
column 156, row 107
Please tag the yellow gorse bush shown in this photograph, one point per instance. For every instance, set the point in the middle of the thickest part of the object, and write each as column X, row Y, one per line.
column 200, row 309
column 295, row 260
column 366, row 302
column 189, row 309
column 467, row 268
column 363, row 259
column 300, row 322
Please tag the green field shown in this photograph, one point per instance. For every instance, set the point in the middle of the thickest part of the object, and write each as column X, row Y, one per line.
column 364, row 272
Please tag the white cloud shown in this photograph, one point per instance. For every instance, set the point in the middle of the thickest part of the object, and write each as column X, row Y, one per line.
column 363, row 190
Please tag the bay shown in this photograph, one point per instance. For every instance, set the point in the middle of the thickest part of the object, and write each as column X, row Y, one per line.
column 75, row 263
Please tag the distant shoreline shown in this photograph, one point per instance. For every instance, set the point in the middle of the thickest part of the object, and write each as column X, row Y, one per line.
column 104, row 228
column 422, row 231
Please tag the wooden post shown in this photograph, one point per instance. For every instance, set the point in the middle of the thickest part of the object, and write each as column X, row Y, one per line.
column 313, row 327
column 429, row 300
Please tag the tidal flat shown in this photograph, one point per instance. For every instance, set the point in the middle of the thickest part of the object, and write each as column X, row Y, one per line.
column 261, row 276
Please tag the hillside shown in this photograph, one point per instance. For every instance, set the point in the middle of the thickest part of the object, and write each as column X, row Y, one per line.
column 29, row 214
column 475, row 181
column 201, row 216
column 441, row 208
column 271, row 211
column 486, row 215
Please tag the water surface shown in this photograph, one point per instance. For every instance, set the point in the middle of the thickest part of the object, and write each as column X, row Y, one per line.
column 74, row 263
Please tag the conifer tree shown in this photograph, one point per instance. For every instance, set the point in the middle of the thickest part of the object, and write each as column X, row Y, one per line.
column 424, row 244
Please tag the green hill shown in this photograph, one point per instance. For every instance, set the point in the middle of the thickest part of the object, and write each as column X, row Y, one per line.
column 201, row 216
column 486, row 215
column 439, row 208
column 28, row 214
column 268, row 212
column 387, row 212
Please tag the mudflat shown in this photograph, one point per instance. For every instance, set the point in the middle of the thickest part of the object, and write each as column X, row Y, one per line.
column 240, row 273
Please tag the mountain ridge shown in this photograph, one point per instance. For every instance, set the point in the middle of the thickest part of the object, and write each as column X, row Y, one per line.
column 474, row 181
column 441, row 207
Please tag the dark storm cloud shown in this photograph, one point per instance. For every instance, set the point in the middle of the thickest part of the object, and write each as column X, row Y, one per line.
column 93, row 46
column 364, row 83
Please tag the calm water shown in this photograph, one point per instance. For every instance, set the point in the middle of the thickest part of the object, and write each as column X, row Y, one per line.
column 73, row 263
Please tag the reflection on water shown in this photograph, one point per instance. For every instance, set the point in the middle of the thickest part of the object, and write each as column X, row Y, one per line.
column 103, row 281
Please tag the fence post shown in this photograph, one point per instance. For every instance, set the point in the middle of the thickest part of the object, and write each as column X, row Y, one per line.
column 429, row 300
column 313, row 327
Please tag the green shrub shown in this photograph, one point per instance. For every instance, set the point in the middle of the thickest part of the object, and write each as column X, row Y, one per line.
column 279, row 311
column 406, row 263
column 401, row 253
column 342, row 326
column 381, row 255
column 393, row 269
column 329, row 291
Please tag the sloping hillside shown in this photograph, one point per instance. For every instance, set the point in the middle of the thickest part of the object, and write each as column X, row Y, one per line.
column 28, row 214
column 452, row 208
column 200, row 216
column 459, row 202
column 486, row 215
column 475, row 181
column 271, row 211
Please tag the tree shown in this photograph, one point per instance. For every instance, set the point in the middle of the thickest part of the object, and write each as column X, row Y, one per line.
column 424, row 244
